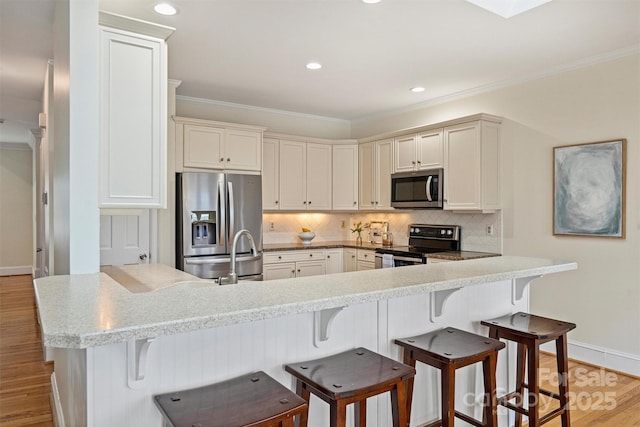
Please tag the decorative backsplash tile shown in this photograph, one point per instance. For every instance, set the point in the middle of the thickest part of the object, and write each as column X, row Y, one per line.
column 329, row 226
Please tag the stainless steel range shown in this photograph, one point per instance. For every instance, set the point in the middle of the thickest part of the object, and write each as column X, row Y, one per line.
column 423, row 240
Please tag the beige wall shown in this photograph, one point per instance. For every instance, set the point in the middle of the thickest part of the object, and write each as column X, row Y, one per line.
column 600, row 102
column 16, row 212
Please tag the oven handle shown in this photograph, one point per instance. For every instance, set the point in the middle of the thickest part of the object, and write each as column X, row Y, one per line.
column 403, row 258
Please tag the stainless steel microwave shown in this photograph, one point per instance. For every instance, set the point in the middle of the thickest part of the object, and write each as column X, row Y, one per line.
column 418, row 190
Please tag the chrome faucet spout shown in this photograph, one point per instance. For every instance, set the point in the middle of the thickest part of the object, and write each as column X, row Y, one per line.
column 232, row 278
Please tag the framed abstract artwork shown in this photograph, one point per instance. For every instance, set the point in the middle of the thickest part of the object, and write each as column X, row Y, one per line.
column 589, row 189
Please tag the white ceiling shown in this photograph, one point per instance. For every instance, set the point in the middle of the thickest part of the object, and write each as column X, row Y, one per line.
column 254, row 52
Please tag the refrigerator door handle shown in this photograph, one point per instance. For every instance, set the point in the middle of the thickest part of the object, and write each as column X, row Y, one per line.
column 222, row 236
column 222, row 260
column 232, row 213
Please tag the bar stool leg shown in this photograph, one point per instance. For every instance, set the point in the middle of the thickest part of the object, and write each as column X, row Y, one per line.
column 399, row 406
column 303, row 392
column 338, row 414
column 533, row 359
column 360, row 413
column 489, row 366
column 409, row 360
column 520, row 373
column 448, row 395
column 563, row 377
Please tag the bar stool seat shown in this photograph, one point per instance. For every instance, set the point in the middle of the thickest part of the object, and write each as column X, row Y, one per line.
column 250, row 400
column 529, row 331
column 447, row 350
column 352, row 377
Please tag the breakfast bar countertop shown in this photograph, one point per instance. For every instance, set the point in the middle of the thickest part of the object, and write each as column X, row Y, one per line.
column 88, row 310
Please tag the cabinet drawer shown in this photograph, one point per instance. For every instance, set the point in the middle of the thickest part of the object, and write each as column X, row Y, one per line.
column 293, row 256
column 366, row 255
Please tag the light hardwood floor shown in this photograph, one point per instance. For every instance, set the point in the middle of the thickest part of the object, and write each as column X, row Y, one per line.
column 601, row 398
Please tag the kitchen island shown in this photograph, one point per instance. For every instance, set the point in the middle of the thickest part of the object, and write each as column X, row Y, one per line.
column 114, row 348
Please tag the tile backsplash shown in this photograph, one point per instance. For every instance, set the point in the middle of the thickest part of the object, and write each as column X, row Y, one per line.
column 329, row 226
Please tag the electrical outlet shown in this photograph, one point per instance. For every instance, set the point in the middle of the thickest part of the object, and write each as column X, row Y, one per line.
column 343, row 225
column 490, row 229
column 272, row 226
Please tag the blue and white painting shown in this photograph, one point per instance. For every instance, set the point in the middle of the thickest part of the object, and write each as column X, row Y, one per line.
column 588, row 189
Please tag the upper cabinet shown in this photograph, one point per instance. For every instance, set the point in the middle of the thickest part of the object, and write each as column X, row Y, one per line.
column 472, row 166
column 345, row 177
column 205, row 144
column 270, row 174
column 305, row 169
column 133, row 113
column 418, row 151
column 375, row 166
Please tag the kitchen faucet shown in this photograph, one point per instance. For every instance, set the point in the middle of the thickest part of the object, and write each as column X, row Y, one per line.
column 232, row 278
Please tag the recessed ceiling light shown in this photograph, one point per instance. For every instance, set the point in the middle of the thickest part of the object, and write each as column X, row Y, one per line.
column 314, row 65
column 370, row 1
column 417, row 89
column 165, row 9
column 508, row 8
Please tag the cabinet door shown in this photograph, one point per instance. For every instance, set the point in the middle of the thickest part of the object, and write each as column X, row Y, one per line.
column 404, row 148
column 270, row 174
column 285, row 270
column 133, row 121
column 430, row 150
column 349, row 259
column 310, row 268
column 366, row 175
column 243, row 150
column 333, row 261
column 293, row 175
column 462, row 180
column 384, row 168
column 318, row 177
column 203, row 147
column 345, row 177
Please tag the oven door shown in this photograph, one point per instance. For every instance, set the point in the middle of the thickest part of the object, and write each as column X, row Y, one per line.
column 396, row 261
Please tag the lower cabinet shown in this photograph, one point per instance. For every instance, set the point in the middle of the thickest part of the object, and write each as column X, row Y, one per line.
column 366, row 260
column 334, row 263
column 349, row 259
column 288, row 264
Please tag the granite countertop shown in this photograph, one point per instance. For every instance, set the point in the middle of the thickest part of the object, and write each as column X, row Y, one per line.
column 449, row 255
column 88, row 310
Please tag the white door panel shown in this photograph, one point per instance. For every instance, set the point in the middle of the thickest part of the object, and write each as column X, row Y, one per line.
column 124, row 239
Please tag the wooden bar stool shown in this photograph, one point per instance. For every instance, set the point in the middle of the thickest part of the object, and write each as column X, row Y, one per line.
column 250, row 400
column 352, row 377
column 449, row 349
column 529, row 331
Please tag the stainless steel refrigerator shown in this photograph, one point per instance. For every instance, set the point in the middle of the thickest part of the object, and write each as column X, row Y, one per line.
column 211, row 209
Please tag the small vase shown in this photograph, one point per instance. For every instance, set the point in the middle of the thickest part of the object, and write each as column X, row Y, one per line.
column 359, row 239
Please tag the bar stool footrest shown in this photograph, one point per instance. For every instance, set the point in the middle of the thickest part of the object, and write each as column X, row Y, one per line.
column 506, row 404
column 468, row 419
column 551, row 415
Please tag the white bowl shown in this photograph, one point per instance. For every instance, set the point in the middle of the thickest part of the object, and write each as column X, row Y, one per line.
column 306, row 237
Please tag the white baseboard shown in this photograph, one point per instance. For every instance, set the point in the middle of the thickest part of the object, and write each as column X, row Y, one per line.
column 56, row 407
column 612, row 359
column 16, row 270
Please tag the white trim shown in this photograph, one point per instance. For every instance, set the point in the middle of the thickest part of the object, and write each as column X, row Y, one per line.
column 600, row 356
column 261, row 109
column 16, row 270
column 15, row 146
column 58, row 415
column 576, row 65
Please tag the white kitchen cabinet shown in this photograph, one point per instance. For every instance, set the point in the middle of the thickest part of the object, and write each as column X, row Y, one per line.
column 349, row 259
column 270, row 174
column 299, row 263
column 345, row 177
column 375, row 167
column 305, row 169
column 333, row 260
column 472, row 166
column 205, row 144
column 365, row 260
column 133, row 113
column 418, row 151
